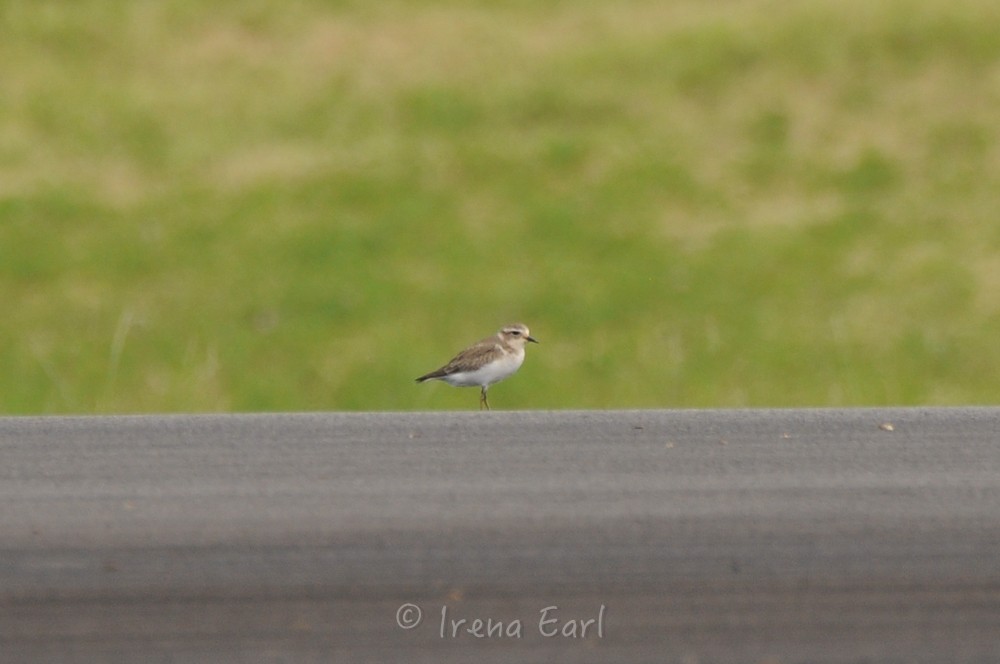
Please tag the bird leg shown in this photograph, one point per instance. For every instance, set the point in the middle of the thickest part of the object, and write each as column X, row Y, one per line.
column 482, row 399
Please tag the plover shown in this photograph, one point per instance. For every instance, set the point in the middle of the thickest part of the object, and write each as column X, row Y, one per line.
column 486, row 362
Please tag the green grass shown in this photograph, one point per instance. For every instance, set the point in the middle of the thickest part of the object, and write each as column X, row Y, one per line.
column 243, row 206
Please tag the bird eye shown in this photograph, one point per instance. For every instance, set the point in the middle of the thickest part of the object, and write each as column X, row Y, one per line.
column 515, row 332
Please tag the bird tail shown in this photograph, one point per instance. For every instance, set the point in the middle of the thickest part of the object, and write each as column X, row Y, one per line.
column 434, row 374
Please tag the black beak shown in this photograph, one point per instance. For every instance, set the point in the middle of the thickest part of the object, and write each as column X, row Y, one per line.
column 532, row 340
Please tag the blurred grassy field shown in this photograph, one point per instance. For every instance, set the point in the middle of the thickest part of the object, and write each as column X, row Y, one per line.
column 240, row 206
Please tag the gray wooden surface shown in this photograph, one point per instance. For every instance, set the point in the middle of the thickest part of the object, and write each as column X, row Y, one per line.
column 685, row 536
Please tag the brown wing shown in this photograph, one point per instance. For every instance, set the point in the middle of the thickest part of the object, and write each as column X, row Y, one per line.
column 472, row 356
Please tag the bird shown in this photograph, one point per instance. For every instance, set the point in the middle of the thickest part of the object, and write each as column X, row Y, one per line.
column 487, row 361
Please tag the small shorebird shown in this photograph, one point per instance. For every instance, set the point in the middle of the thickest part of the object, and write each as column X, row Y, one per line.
column 486, row 362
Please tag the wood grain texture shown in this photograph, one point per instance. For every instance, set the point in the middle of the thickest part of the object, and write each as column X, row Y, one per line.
column 708, row 536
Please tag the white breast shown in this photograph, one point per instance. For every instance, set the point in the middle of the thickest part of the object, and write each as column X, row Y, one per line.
column 488, row 374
